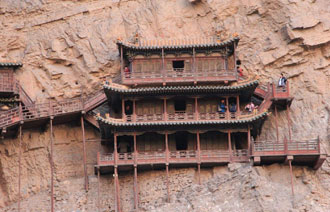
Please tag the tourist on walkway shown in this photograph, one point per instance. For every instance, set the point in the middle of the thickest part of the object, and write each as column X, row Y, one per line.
column 282, row 81
column 222, row 106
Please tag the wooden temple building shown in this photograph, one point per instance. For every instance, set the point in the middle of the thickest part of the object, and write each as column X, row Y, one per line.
column 183, row 104
column 177, row 103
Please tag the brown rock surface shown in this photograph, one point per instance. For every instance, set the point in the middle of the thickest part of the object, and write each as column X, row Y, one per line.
column 67, row 46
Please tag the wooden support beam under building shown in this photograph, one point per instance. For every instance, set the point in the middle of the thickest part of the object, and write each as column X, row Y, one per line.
column 136, row 190
column 229, row 146
column 98, row 190
column 199, row 157
column 116, row 181
column 249, row 140
column 167, row 184
column 291, row 173
column 320, row 161
column 256, row 160
column 19, row 168
column 289, row 121
column 84, row 152
column 51, row 165
column 276, row 124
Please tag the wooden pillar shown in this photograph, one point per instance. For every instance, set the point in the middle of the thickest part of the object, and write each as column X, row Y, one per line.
column 196, row 108
column 194, row 65
column 117, row 190
column 134, row 110
column 229, row 147
column 292, row 189
column 19, row 168
column 163, row 65
column 235, row 65
column 289, row 121
column 165, row 109
column 249, row 140
column 123, row 108
column 227, row 107
column 237, row 105
column 121, row 61
column 136, row 190
column 199, row 157
column 51, row 166
column 167, row 164
column 167, row 184
column 276, row 124
column 136, row 198
column 84, row 151
column 98, row 190
column 116, row 182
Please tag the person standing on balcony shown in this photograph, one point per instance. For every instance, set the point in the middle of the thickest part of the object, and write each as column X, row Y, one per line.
column 232, row 107
column 222, row 106
column 240, row 71
column 127, row 72
column 282, row 81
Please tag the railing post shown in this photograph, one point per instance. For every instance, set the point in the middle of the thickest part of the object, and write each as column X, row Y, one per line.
column 288, row 88
column 273, row 89
column 20, row 112
column 285, row 146
column 276, row 125
column 318, row 144
column 123, row 109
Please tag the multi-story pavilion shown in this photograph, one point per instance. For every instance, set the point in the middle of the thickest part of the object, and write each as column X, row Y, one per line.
column 182, row 103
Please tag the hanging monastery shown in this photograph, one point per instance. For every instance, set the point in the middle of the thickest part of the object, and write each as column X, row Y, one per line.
column 175, row 103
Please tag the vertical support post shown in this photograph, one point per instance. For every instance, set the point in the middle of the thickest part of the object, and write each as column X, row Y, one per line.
column 249, row 140
column 199, row 157
column 237, row 105
column 196, row 109
column 136, row 198
column 292, row 189
column 163, row 64
column 276, row 124
column 98, row 190
column 165, row 109
column 136, row 192
column 227, row 107
column 134, row 110
column 84, row 153
column 235, row 64
column 123, row 109
column 229, row 147
column 289, row 121
column 167, row 164
column 194, row 66
column 20, row 112
column 167, row 184
column 122, row 62
column 51, row 166
column 19, row 167
column 288, row 88
column 118, row 208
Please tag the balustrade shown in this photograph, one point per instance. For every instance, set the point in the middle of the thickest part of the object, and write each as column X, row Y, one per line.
column 178, row 75
column 286, row 147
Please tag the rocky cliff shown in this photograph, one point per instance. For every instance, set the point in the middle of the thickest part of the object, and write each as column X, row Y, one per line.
column 68, row 47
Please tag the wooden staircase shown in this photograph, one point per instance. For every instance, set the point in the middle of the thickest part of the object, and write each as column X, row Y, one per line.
column 63, row 111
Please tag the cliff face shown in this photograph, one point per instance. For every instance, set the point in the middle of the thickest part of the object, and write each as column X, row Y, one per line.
column 67, row 47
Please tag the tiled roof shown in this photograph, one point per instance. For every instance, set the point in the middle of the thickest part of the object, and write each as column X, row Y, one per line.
column 177, row 44
column 10, row 64
column 179, row 89
column 117, row 123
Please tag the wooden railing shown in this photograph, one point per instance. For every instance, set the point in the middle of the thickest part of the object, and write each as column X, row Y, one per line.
column 52, row 108
column 177, row 75
column 181, row 156
column 264, row 148
column 177, row 116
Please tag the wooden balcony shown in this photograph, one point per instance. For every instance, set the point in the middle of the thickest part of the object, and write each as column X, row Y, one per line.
column 304, row 152
column 177, row 75
column 185, row 116
column 174, row 157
